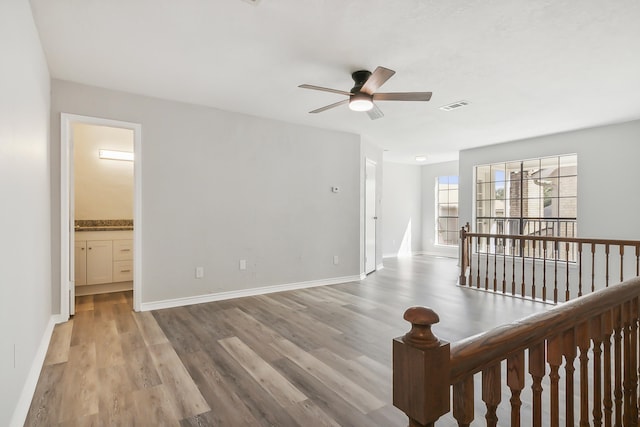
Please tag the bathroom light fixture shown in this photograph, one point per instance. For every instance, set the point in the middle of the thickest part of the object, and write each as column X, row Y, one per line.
column 360, row 101
column 115, row 155
column 421, row 158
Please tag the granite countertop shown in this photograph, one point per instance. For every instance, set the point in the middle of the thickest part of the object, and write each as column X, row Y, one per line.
column 103, row 224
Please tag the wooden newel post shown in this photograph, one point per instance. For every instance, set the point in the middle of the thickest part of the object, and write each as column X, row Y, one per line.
column 463, row 255
column 421, row 370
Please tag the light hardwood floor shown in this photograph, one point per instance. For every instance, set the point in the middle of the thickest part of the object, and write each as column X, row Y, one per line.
column 313, row 357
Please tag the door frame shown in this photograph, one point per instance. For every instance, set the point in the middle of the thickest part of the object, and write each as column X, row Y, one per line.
column 67, row 287
column 370, row 162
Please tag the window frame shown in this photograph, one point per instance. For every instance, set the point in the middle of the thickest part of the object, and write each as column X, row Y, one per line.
column 456, row 241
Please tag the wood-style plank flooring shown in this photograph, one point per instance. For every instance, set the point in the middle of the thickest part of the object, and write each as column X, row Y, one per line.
column 312, row 357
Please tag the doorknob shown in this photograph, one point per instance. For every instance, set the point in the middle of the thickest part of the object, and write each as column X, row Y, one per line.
column 375, row 217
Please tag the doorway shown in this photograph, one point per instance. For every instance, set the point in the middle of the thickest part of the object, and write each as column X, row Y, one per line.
column 96, row 250
column 370, row 217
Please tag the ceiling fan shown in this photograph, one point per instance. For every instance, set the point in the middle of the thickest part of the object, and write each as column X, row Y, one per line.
column 363, row 94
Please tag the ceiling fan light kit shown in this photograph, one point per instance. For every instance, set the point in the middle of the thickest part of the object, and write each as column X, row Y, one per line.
column 361, row 102
column 363, row 94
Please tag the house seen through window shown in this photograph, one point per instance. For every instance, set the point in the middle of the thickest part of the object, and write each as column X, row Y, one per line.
column 447, row 210
column 529, row 197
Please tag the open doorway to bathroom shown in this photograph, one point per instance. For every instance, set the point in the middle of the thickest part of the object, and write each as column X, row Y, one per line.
column 101, row 182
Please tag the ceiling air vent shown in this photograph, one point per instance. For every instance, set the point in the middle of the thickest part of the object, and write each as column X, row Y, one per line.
column 454, row 106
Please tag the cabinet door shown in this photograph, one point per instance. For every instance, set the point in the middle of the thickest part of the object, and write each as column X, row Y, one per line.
column 123, row 250
column 99, row 262
column 80, row 263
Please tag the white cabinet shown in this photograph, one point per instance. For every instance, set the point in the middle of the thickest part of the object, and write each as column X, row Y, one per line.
column 99, row 262
column 103, row 257
column 122, row 260
column 80, row 263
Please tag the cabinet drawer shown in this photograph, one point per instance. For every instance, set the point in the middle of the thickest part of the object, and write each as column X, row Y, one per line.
column 122, row 271
column 122, row 250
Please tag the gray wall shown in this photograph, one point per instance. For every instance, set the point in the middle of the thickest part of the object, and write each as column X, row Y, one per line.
column 608, row 175
column 25, row 252
column 219, row 187
column 401, row 210
column 429, row 175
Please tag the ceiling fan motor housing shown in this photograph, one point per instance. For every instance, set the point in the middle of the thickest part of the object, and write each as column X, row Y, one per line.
column 360, row 77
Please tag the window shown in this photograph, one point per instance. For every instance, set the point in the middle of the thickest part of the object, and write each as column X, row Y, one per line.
column 447, row 205
column 530, row 197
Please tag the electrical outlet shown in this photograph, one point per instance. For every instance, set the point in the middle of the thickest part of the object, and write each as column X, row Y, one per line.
column 199, row 272
column 336, row 259
column 243, row 264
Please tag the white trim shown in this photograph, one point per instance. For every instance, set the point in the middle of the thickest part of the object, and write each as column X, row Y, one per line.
column 199, row 299
column 427, row 253
column 28, row 390
column 379, row 267
column 363, row 276
column 66, row 227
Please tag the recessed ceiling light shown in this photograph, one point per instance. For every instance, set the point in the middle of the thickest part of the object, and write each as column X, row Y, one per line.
column 422, row 158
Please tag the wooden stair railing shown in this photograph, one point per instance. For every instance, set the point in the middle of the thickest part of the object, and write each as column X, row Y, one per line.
column 598, row 332
column 550, row 268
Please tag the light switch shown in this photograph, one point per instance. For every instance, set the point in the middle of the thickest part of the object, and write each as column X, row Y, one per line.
column 243, row 264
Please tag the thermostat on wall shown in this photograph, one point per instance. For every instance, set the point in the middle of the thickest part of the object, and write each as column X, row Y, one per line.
column 335, row 189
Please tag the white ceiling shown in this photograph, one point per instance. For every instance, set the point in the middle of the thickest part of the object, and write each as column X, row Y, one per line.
column 527, row 67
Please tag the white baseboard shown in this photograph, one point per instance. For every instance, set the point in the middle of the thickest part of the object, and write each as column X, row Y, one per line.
column 379, row 267
column 26, row 396
column 219, row 296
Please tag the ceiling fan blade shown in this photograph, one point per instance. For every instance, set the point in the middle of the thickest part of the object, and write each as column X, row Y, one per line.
column 375, row 113
column 325, row 89
column 377, row 79
column 402, row 96
column 330, row 106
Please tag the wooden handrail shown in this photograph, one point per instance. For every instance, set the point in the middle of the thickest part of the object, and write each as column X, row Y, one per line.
column 602, row 325
column 484, row 265
column 597, row 241
column 471, row 355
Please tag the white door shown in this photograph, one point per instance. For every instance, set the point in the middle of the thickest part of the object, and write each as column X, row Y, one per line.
column 370, row 217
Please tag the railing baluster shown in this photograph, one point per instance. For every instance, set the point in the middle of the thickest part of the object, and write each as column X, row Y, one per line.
column 470, row 238
column 486, row 267
column 495, row 264
column 596, row 336
column 633, row 357
column 582, row 338
column 622, row 263
column 567, row 297
column 463, row 402
column 606, row 251
column 513, row 266
column 554, row 359
column 579, row 269
column 607, row 402
column 491, row 393
column 537, row 371
column 522, row 286
column 504, row 265
column 544, row 272
column 569, row 341
column 617, row 356
column 555, row 271
column 478, row 276
column 533, row 271
column 593, row 267
column 515, row 381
